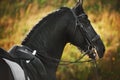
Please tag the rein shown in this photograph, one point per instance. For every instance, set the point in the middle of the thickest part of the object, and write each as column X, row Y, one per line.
column 64, row 63
column 61, row 62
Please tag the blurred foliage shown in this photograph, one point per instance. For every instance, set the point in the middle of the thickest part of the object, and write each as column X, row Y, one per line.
column 19, row 16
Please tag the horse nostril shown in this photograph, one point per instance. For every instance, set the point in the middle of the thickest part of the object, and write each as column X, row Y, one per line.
column 101, row 52
column 90, row 47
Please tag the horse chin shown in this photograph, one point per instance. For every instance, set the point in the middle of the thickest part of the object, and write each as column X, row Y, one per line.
column 100, row 48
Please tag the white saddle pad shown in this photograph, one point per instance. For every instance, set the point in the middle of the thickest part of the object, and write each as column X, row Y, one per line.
column 17, row 71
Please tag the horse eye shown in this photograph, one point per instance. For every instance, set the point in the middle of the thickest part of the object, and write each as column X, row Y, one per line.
column 83, row 17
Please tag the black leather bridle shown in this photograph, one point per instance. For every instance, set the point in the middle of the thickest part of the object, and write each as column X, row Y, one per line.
column 86, row 34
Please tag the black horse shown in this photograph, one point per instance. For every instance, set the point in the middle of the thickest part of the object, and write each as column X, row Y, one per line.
column 41, row 50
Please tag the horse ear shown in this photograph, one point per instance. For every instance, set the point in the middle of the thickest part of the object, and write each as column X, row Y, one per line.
column 78, row 9
column 80, row 2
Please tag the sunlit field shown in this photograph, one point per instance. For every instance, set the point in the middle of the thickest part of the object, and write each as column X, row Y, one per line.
column 18, row 17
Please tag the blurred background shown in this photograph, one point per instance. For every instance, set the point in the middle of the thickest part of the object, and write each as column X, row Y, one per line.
column 19, row 16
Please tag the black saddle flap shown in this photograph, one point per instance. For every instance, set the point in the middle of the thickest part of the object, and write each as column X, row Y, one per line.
column 19, row 52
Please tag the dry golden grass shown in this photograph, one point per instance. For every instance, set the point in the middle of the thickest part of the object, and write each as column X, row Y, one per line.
column 105, row 23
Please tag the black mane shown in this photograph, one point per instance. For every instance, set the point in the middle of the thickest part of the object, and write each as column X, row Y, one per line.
column 42, row 29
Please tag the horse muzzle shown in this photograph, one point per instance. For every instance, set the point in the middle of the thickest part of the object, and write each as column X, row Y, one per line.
column 100, row 48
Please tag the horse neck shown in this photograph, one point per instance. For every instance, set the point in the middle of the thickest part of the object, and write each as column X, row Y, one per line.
column 50, row 39
column 50, row 44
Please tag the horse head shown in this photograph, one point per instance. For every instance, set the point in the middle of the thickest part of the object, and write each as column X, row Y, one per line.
column 91, row 40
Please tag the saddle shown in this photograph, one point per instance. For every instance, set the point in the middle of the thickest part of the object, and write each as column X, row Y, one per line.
column 25, row 57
